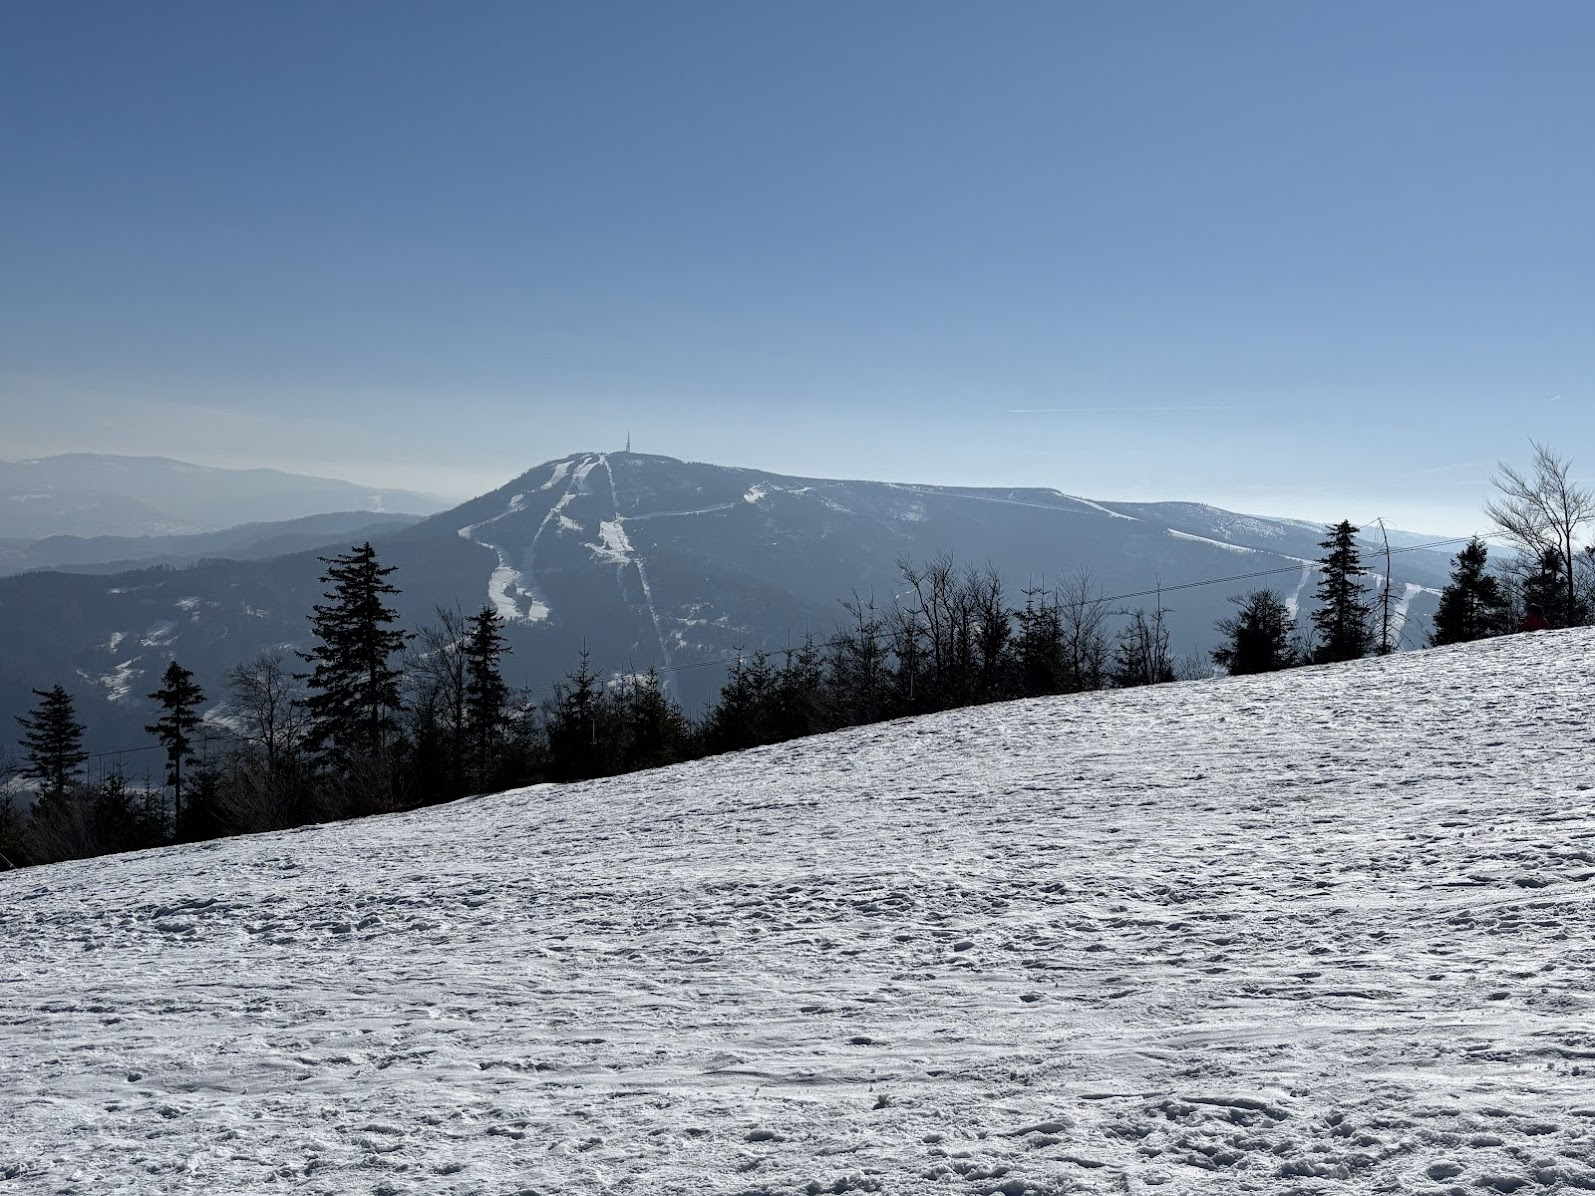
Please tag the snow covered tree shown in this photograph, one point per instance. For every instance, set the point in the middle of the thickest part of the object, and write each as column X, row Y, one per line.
column 179, row 698
column 353, row 689
column 1473, row 605
column 1342, row 619
column 52, row 742
column 1257, row 637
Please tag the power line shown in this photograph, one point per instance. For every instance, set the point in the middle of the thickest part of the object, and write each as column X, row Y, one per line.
column 727, row 661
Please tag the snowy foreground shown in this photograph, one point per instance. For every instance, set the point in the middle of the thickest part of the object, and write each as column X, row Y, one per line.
column 1328, row 931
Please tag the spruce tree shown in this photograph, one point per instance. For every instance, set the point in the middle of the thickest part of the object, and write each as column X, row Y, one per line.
column 179, row 698
column 353, row 690
column 11, row 855
column 1142, row 657
column 1257, row 637
column 1473, row 605
column 52, row 743
column 656, row 729
column 577, row 726
column 1038, row 647
column 1342, row 619
column 1545, row 586
column 486, row 695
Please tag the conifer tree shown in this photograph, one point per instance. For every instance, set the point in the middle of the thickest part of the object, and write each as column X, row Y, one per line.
column 1142, row 657
column 1342, row 620
column 52, row 742
column 1473, row 605
column 743, row 716
column 11, row 854
column 1544, row 585
column 656, row 730
column 354, row 691
column 179, row 698
column 576, row 748
column 486, row 695
column 858, row 668
column 1257, row 637
column 799, row 703
column 1038, row 647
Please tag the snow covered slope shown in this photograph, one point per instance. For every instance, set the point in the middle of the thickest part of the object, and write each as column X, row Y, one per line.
column 1325, row 931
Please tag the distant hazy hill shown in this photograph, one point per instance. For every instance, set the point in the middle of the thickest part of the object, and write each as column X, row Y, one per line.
column 247, row 542
column 652, row 561
column 90, row 494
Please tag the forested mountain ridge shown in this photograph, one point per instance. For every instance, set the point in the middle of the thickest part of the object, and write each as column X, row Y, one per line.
column 647, row 560
column 247, row 541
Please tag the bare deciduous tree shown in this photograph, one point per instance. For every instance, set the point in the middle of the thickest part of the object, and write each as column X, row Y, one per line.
column 1543, row 510
column 264, row 706
column 1083, row 611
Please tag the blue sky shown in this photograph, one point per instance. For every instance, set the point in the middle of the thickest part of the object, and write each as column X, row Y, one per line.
column 1318, row 259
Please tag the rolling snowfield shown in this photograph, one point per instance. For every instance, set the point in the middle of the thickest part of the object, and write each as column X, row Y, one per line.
column 1326, row 931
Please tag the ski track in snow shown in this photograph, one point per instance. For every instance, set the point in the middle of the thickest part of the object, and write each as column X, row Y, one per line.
column 1326, row 931
column 1293, row 599
column 1400, row 608
column 1224, row 544
column 617, row 542
column 1015, row 502
column 513, row 591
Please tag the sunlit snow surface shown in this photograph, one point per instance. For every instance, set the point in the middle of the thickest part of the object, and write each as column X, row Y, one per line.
column 1328, row 931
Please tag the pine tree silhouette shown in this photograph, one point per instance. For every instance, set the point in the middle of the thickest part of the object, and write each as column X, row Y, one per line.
column 1257, row 635
column 1343, row 617
column 52, row 742
column 354, row 691
column 179, row 698
column 1473, row 606
column 486, row 695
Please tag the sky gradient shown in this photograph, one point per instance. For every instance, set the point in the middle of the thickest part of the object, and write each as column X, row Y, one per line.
column 1323, row 259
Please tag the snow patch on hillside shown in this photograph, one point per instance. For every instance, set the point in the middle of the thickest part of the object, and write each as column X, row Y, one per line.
column 560, row 469
column 160, row 634
column 1240, row 548
column 613, row 545
column 118, row 683
column 512, row 591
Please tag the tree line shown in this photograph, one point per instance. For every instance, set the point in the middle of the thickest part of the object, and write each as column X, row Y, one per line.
column 374, row 718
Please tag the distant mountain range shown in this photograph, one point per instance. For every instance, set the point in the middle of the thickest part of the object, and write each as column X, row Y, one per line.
column 246, row 542
column 647, row 560
column 91, row 494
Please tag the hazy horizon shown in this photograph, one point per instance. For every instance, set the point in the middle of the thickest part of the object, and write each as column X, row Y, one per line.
column 1313, row 261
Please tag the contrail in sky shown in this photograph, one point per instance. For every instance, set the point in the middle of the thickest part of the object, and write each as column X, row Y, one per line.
column 1117, row 410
